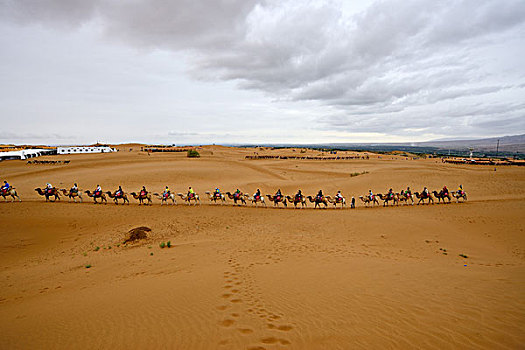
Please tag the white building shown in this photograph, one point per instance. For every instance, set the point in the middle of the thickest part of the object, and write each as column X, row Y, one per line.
column 25, row 153
column 85, row 149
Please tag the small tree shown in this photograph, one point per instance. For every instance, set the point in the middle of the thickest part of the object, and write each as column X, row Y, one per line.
column 193, row 154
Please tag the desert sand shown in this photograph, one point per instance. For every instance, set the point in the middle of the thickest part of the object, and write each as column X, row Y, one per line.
column 262, row 278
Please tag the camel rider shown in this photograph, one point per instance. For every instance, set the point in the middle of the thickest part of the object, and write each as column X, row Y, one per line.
column 237, row 193
column 217, row 193
column 460, row 189
column 408, row 192
column 119, row 192
column 49, row 188
column 74, row 189
column 278, row 194
column 370, row 195
column 166, row 192
column 390, row 193
column 445, row 190
column 143, row 192
column 98, row 190
column 299, row 195
column 257, row 194
column 320, row 194
column 191, row 193
column 425, row 191
column 339, row 196
column 5, row 186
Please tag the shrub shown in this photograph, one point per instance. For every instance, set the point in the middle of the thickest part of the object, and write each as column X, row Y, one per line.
column 168, row 244
column 162, row 245
column 193, row 154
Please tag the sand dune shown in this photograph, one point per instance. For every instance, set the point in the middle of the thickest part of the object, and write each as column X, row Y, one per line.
column 255, row 278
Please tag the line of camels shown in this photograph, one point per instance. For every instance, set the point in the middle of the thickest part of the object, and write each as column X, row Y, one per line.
column 239, row 198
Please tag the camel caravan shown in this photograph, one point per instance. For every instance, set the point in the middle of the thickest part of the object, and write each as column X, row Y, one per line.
column 238, row 198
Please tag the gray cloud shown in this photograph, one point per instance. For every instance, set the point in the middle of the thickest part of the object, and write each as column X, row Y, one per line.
column 397, row 66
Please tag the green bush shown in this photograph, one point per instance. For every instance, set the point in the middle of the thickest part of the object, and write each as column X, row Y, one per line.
column 193, row 154
column 168, row 244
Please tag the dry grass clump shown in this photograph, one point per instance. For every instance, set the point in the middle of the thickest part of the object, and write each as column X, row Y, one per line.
column 137, row 233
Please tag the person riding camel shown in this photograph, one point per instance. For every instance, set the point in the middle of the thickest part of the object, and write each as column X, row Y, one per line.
column 408, row 192
column 237, row 193
column 166, row 192
column 445, row 190
column 5, row 187
column 338, row 196
column 74, row 189
column 425, row 192
column 217, row 193
column 119, row 193
column 191, row 193
column 257, row 194
column 49, row 188
column 370, row 195
column 460, row 190
column 320, row 194
column 98, row 191
column 390, row 193
column 278, row 194
column 299, row 195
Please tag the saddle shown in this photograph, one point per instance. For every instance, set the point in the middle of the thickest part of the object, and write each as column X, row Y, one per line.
column 142, row 193
column 217, row 195
column 97, row 193
column 278, row 198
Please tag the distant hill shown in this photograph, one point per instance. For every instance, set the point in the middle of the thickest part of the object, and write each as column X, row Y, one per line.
column 507, row 144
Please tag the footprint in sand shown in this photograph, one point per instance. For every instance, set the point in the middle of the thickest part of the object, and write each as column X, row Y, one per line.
column 226, row 323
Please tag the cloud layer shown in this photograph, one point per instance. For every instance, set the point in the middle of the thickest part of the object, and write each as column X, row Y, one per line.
column 402, row 67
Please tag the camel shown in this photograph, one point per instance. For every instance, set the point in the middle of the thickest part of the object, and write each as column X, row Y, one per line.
column 366, row 199
column 386, row 198
column 122, row 196
column 459, row 195
column 214, row 197
column 422, row 198
column 47, row 194
column 142, row 198
column 10, row 192
column 277, row 199
column 296, row 200
column 441, row 196
column 236, row 197
column 405, row 197
column 164, row 199
column 254, row 200
column 188, row 198
column 336, row 201
column 318, row 201
column 72, row 194
column 101, row 195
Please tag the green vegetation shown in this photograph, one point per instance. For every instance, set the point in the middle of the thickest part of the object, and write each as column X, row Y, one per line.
column 463, row 256
column 357, row 174
column 193, row 154
column 162, row 245
column 168, row 244
column 97, row 248
column 88, row 266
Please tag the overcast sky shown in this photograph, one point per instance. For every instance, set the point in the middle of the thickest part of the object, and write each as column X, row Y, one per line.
column 260, row 71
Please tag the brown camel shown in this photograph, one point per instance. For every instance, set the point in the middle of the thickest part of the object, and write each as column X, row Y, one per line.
column 10, row 192
column 95, row 195
column 318, row 201
column 459, row 195
column 47, row 194
column 366, row 199
column 441, row 196
column 188, row 198
column 424, row 196
column 296, row 200
column 164, row 198
column 143, row 198
column 277, row 199
column 387, row 197
column 236, row 197
column 72, row 194
column 115, row 198
column 337, row 200
column 214, row 197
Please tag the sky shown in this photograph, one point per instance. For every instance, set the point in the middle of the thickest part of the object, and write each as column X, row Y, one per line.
column 260, row 71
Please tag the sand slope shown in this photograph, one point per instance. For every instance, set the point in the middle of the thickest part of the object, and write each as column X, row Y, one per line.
column 247, row 278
